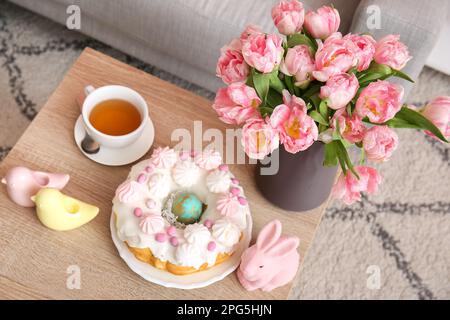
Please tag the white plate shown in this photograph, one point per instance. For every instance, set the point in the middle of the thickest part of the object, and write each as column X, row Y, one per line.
column 193, row 281
column 117, row 157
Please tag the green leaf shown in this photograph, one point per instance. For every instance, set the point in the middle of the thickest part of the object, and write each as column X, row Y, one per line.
column 261, row 82
column 349, row 110
column 298, row 39
column 315, row 100
column 249, row 81
column 417, row 119
column 265, row 111
column 344, row 158
column 323, row 109
column 404, row 76
column 289, row 80
column 315, row 46
column 331, row 159
column 312, row 90
column 317, row 117
column 274, row 98
column 275, row 82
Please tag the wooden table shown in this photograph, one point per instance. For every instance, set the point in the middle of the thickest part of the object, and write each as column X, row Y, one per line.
column 35, row 262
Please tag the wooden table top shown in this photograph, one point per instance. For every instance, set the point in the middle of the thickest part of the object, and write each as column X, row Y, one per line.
column 35, row 262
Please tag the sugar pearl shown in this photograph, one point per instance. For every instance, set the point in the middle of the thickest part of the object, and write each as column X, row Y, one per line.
column 223, row 167
column 208, row 223
column 160, row 237
column 235, row 191
column 174, row 241
column 171, row 231
column 141, row 178
column 151, row 204
column 184, row 155
column 234, row 181
column 137, row 212
column 242, row 201
column 149, row 169
column 211, row 246
column 193, row 153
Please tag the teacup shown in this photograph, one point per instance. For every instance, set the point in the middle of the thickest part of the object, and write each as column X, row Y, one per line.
column 95, row 96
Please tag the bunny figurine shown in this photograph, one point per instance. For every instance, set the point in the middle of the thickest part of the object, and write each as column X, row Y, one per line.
column 271, row 262
column 23, row 183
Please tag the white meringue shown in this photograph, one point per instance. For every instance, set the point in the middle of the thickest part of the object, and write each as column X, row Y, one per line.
column 189, row 255
column 185, row 173
column 226, row 232
column 159, row 185
column 208, row 159
column 218, row 181
column 197, row 234
column 163, row 157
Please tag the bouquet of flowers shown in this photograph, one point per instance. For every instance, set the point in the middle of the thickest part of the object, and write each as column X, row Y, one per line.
column 316, row 85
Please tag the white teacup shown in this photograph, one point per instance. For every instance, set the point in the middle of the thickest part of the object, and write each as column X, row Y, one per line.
column 96, row 95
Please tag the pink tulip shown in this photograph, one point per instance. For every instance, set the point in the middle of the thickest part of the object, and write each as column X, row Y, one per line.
column 249, row 30
column 379, row 101
column 364, row 49
column 323, row 23
column 297, row 130
column 236, row 103
column 351, row 128
column 333, row 57
column 379, row 143
column 348, row 188
column 231, row 66
column 299, row 63
column 259, row 139
column 263, row 51
column 339, row 90
column 390, row 51
column 288, row 16
column 438, row 112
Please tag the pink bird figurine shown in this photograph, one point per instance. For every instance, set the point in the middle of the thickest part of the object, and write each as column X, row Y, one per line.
column 23, row 183
column 271, row 262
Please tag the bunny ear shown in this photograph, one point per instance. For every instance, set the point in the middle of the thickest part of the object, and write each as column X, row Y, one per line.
column 284, row 246
column 269, row 235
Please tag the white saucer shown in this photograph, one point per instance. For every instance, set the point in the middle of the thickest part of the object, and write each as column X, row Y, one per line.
column 117, row 157
column 192, row 281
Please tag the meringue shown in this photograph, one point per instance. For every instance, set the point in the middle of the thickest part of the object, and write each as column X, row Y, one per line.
column 226, row 232
column 188, row 254
column 128, row 191
column 163, row 157
column 197, row 234
column 152, row 224
column 218, row 181
column 159, row 185
column 185, row 173
column 208, row 159
column 227, row 205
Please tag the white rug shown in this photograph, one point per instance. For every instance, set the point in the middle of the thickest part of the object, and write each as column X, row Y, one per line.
column 403, row 232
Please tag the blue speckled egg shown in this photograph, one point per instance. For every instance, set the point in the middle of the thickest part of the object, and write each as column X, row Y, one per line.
column 187, row 207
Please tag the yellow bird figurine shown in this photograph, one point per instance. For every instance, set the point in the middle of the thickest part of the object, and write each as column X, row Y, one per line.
column 60, row 212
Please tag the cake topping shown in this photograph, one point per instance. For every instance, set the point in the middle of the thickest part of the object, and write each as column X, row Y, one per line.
column 187, row 207
column 208, row 223
column 234, row 181
column 163, row 157
column 208, row 159
column 186, row 173
column 223, row 167
column 218, row 181
column 159, row 185
column 226, row 232
column 151, row 224
column 141, row 178
column 174, row 241
column 128, row 191
column 242, row 201
column 227, row 205
column 235, row 191
column 171, row 230
column 150, row 168
column 184, row 155
column 188, row 254
column 161, row 237
column 137, row 212
column 211, row 246
column 196, row 234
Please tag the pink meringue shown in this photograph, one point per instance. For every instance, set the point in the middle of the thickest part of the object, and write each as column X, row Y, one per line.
column 163, row 157
column 152, row 223
column 227, row 205
column 209, row 159
column 128, row 191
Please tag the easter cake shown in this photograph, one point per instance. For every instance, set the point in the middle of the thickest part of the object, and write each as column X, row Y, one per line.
column 181, row 212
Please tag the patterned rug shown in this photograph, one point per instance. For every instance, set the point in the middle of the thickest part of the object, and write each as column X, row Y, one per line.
column 401, row 236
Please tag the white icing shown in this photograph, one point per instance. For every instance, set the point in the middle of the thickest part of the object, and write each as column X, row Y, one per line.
column 218, row 181
column 208, row 159
column 186, row 173
column 159, row 185
column 197, row 234
column 226, row 232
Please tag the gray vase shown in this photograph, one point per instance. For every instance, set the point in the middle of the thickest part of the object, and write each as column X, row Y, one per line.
column 301, row 183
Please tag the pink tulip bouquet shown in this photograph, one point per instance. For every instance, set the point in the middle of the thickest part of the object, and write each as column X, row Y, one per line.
column 314, row 84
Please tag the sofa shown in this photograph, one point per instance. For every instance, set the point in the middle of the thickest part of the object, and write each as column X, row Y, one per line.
column 184, row 37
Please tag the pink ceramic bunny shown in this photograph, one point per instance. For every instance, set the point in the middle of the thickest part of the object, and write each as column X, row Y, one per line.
column 271, row 262
column 23, row 183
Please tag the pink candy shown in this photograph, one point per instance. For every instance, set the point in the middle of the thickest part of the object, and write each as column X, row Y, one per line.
column 171, row 231
column 234, row 181
column 137, row 212
column 160, row 237
column 223, row 167
column 174, row 241
column 184, row 155
column 149, row 169
column 208, row 223
column 211, row 246
column 151, row 204
column 242, row 201
column 141, row 178
column 235, row 191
